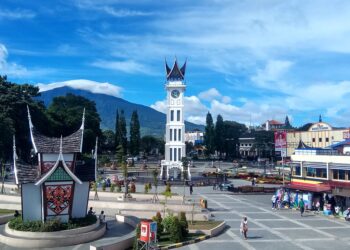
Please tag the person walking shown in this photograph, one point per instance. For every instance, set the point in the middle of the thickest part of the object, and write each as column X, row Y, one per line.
column 273, row 200
column 102, row 218
column 244, row 227
column 301, row 206
column 191, row 189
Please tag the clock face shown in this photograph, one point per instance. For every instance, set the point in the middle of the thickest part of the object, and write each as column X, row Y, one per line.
column 175, row 93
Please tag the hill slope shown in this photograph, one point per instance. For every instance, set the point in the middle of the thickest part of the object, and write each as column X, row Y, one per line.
column 152, row 121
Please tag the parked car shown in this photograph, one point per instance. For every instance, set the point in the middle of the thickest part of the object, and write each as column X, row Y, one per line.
column 226, row 187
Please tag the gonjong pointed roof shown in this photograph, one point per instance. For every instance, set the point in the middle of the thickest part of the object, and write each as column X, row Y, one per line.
column 72, row 143
column 175, row 73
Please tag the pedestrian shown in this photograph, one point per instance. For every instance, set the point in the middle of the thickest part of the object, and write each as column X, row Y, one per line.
column 16, row 214
column 317, row 206
column 244, row 227
column 273, row 200
column 214, row 186
column 90, row 212
column 301, row 206
column 102, row 218
column 191, row 189
column 347, row 214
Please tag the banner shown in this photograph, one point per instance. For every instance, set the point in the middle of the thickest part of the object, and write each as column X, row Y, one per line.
column 281, row 143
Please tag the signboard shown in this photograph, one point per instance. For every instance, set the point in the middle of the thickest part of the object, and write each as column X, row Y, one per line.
column 321, row 126
column 346, row 134
column 281, row 143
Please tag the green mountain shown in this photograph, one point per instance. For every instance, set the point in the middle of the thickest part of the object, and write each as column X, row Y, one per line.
column 152, row 121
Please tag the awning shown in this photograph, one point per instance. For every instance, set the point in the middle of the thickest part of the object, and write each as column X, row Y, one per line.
column 339, row 166
column 314, row 165
column 318, row 188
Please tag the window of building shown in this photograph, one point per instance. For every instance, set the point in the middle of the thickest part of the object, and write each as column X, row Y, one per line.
column 246, row 145
column 319, row 139
column 339, row 174
column 171, row 154
column 171, row 134
column 175, row 159
column 249, row 145
column 335, row 174
column 171, row 115
column 313, row 140
column 175, row 134
column 316, row 172
column 179, row 153
column 178, row 115
column 327, row 139
column 179, row 137
column 297, row 170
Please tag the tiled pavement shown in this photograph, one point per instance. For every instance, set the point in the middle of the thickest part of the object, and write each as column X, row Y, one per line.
column 270, row 229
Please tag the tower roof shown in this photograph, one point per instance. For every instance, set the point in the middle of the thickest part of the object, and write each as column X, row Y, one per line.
column 70, row 144
column 175, row 73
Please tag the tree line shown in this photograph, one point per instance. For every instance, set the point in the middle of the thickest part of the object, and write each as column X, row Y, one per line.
column 222, row 138
column 62, row 117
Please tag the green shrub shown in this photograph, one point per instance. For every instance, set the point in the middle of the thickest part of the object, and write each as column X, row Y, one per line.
column 138, row 232
column 183, row 224
column 146, row 188
column 119, row 187
column 176, row 232
column 104, row 186
column 149, row 186
column 168, row 188
column 158, row 218
column 50, row 225
column 112, row 188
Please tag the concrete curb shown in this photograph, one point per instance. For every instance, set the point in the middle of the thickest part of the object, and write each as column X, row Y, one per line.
column 5, row 218
column 185, row 243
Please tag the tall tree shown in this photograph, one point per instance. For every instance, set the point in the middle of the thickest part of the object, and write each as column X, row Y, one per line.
column 209, row 135
column 66, row 113
column 135, row 137
column 116, row 131
column 120, row 133
column 219, row 135
column 287, row 123
column 14, row 99
column 108, row 141
column 264, row 143
column 233, row 130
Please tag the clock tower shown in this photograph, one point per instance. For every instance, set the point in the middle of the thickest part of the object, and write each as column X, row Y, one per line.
column 175, row 147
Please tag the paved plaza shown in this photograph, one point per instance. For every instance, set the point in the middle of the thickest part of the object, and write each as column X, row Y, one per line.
column 269, row 229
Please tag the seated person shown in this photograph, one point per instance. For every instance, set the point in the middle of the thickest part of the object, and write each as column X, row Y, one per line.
column 90, row 212
column 347, row 214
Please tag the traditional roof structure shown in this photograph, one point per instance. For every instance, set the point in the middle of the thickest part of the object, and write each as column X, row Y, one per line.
column 61, row 166
column 43, row 144
column 175, row 73
column 302, row 145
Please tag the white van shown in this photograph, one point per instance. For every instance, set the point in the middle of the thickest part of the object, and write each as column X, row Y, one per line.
column 346, row 150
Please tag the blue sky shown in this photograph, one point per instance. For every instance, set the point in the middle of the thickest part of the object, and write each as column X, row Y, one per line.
column 247, row 60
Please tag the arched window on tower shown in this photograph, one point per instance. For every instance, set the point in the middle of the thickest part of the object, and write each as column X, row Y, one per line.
column 178, row 115
column 175, row 159
column 175, row 134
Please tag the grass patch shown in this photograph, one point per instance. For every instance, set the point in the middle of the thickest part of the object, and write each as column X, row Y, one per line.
column 6, row 211
column 165, row 239
column 203, row 225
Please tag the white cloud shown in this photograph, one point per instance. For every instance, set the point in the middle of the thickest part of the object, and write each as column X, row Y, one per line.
column 209, row 94
column 124, row 12
column 129, row 66
column 271, row 75
column 226, row 99
column 8, row 68
column 160, row 106
column 16, row 14
column 88, row 85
